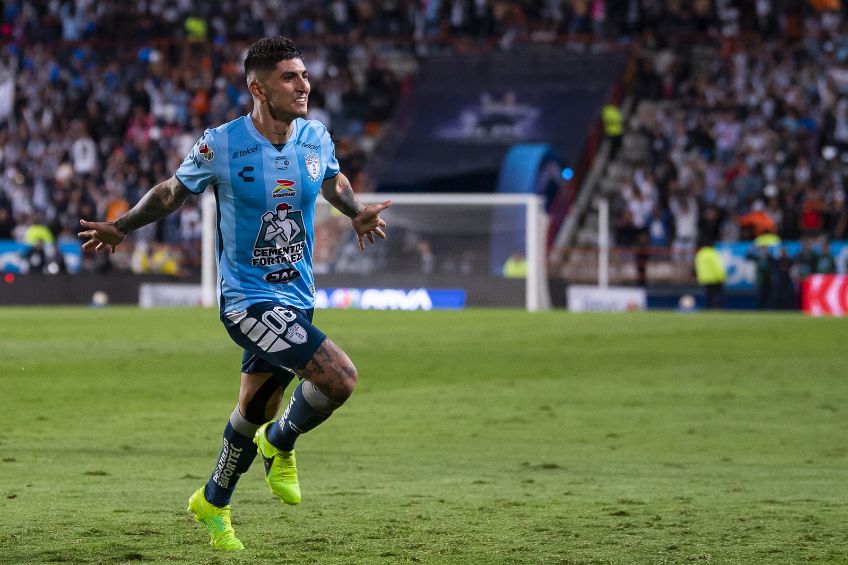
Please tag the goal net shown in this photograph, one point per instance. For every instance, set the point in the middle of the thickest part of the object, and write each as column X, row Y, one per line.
column 443, row 250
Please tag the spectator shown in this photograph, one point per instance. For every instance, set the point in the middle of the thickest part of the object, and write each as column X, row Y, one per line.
column 812, row 208
column 709, row 225
column 7, row 224
column 83, row 151
column 613, row 127
column 37, row 233
column 825, row 263
column 428, row 259
column 806, row 260
column 642, row 255
column 727, row 133
column 761, row 256
column 785, row 297
column 55, row 261
column 36, row 258
column 757, row 222
column 626, row 232
column 711, row 275
column 659, row 227
column 838, row 218
column 515, row 266
column 684, row 209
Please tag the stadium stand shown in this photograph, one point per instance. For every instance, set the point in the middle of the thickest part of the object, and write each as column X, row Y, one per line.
column 736, row 132
column 104, row 98
column 737, row 121
column 748, row 139
column 92, row 122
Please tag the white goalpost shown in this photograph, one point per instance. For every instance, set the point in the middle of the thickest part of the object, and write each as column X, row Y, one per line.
column 434, row 240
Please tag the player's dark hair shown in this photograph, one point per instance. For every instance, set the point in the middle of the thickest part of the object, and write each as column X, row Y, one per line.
column 266, row 53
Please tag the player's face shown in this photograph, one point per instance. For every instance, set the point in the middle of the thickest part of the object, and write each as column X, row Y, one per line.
column 286, row 90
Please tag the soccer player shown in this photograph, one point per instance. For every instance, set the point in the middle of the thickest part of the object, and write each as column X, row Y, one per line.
column 266, row 169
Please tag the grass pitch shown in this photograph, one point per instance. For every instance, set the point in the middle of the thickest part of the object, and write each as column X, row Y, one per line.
column 474, row 437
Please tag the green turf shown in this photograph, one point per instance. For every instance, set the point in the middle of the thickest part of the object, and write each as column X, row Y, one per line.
column 473, row 437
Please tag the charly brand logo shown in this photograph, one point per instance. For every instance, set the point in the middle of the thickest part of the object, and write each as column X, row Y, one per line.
column 245, row 175
column 242, row 152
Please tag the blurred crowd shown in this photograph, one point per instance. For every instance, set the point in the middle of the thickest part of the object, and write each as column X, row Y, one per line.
column 101, row 99
column 740, row 134
column 88, row 123
column 496, row 21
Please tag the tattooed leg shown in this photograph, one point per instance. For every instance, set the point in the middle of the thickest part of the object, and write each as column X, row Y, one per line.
column 332, row 371
column 329, row 380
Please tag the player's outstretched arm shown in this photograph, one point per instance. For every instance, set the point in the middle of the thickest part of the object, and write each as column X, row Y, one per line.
column 365, row 218
column 159, row 201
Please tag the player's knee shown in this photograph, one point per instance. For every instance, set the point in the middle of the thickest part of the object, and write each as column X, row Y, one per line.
column 260, row 404
column 259, row 410
column 336, row 376
column 338, row 384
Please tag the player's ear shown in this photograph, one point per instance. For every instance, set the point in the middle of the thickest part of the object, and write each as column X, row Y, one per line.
column 255, row 88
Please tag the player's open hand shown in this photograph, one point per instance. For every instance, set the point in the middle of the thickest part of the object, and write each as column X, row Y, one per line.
column 369, row 223
column 101, row 236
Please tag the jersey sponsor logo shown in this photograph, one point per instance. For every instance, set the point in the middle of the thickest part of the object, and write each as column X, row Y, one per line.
column 313, row 165
column 242, row 152
column 309, row 145
column 281, row 163
column 206, row 152
column 286, row 275
column 296, row 334
column 245, row 176
column 281, row 237
column 268, row 332
column 284, row 189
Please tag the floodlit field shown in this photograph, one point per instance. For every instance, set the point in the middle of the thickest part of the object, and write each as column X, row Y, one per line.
column 474, row 437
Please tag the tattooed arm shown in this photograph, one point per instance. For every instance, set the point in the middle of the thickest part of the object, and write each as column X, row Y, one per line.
column 159, row 201
column 365, row 218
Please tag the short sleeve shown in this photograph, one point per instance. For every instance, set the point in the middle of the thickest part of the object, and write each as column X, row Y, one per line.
column 328, row 154
column 197, row 170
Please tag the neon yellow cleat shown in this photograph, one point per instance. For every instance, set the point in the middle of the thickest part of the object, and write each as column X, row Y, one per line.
column 216, row 520
column 280, row 468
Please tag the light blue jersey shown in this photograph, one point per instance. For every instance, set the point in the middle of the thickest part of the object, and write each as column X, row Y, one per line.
column 266, row 205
